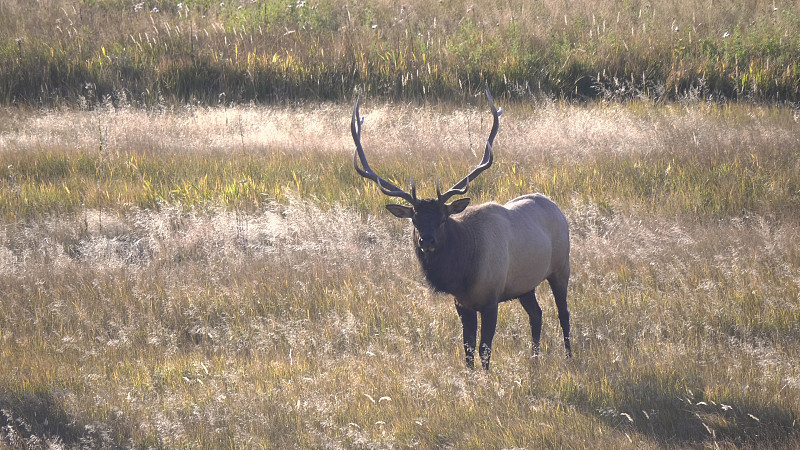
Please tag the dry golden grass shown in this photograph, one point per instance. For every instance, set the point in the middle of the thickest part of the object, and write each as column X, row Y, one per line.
column 304, row 323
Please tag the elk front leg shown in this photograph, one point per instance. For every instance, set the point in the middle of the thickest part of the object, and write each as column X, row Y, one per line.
column 469, row 323
column 488, row 325
column 535, row 318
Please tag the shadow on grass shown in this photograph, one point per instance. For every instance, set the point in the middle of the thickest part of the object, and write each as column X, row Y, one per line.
column 39, row 419
column 675, row 417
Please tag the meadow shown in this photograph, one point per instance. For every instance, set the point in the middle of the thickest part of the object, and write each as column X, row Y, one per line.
column 193, row 277
column 189, row 260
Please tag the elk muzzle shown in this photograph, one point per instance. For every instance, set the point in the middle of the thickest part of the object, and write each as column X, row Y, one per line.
column 426, row 244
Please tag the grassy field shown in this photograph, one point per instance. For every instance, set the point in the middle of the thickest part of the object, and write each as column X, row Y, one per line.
column 188, row 259
column 191, row 277
column 151, row 52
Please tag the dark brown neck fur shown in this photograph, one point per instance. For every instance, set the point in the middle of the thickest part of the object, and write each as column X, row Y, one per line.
column 449, row 269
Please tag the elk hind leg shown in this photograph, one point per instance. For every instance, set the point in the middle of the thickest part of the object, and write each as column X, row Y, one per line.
column 559, row 287
column 531, row 306
column 469, row 324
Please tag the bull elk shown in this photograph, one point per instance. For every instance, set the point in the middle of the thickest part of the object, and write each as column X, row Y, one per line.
column 484, row 254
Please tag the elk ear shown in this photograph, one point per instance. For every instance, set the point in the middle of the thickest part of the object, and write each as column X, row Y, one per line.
column 403, row 212
column 457, row 206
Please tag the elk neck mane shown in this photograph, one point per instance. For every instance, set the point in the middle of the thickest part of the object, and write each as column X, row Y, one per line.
column 450, row 268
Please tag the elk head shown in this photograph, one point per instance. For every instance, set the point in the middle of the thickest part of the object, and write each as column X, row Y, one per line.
column 428, row 215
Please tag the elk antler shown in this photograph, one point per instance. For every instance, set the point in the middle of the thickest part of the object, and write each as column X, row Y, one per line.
column 386, row 187
column 461, row 187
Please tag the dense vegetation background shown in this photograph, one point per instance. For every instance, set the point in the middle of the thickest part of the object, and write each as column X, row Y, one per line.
column 212, row 52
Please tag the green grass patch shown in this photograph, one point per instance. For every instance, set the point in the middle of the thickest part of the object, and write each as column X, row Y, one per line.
column 712, row 185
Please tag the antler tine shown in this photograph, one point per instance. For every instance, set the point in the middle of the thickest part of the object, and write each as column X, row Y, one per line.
column 461, row 187
column 388, row 188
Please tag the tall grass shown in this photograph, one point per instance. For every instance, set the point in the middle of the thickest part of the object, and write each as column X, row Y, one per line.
column 160, row 301
column 152, row 52
column 700, row 161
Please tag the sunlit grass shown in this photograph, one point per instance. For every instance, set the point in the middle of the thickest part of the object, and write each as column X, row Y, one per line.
column 287, row 310
column 695, row 171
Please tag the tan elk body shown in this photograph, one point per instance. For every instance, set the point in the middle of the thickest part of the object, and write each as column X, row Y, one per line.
column 484, row 254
